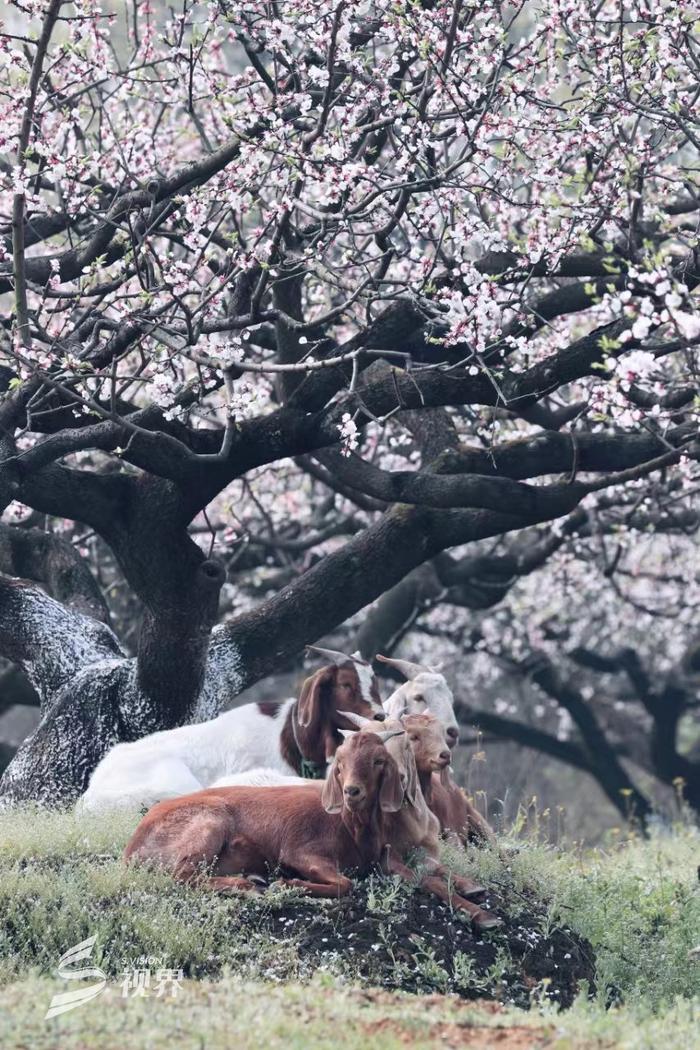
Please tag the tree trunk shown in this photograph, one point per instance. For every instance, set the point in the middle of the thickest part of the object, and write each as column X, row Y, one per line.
column 92, row 695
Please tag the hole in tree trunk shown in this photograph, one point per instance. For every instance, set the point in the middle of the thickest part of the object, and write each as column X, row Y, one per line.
column 213, row 571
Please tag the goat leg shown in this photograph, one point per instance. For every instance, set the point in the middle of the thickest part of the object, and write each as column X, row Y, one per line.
column 226, row 883
column 481, row 920
column 227, row 859
column 319, row 878
column 190, row 872
column 465, row 887
column 340, row 887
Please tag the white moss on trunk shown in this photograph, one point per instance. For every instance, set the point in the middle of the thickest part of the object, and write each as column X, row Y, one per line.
column 91, row 697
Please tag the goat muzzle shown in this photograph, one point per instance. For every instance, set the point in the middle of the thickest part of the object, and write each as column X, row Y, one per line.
column 353, row 795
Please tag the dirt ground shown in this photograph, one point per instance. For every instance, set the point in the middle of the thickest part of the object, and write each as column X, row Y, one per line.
column 461, row 1032
column 421, row 945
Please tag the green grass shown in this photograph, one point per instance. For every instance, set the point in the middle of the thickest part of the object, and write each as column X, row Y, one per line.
column 62, row 880
column 322, row 1015
column 637, row 901
column 231, row 1013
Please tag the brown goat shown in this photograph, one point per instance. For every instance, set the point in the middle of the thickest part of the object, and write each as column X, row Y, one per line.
column 312, row 730
column 415, row 826
column 312, row 833
column 459, row 820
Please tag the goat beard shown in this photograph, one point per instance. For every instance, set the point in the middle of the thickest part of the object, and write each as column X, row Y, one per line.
column 367, row 829
column 445, row 777
column 355, row 819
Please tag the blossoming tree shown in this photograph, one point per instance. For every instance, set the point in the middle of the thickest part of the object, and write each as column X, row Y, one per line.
column 593, row 660
column 315, row 294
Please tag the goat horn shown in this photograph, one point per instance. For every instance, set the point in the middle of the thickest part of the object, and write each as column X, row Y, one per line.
column 387, row 734
column 391, row 705
column 405, row 667
column 332, row 655
column 357, row 720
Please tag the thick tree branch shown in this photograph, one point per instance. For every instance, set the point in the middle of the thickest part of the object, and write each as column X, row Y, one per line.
column 343, row 583
column 34, row 554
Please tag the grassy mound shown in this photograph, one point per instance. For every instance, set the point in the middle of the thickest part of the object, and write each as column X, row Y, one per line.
column 624, row 921
column 62, row 880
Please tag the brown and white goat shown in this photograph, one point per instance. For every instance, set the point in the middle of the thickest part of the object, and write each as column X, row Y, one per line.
column 294, row 736
column 460, row 822
column 312, row 833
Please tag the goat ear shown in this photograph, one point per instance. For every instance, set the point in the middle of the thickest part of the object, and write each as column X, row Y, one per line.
column 391, row 793
column 311, row 698
column 412, row 785
column 332, row 792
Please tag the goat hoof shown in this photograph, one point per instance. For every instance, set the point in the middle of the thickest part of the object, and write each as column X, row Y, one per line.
column 470, row 891
column 487, row 922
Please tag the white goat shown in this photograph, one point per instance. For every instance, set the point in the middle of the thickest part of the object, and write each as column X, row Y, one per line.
column 295, row 736
column 425, row 689
column 263, row 776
